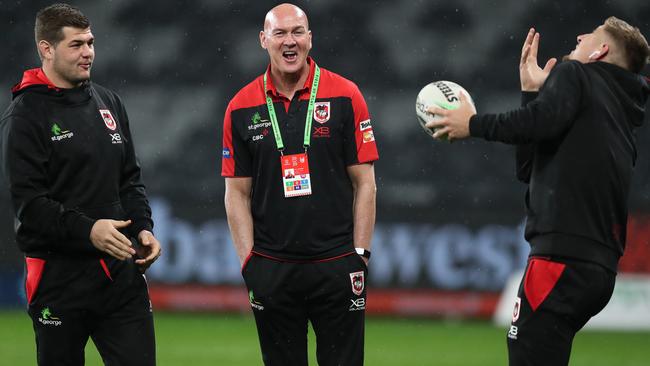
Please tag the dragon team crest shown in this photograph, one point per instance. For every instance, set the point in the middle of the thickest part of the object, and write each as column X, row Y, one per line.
column 517, row 309
column 358, row 282
column 109, row 121
column 322, row 112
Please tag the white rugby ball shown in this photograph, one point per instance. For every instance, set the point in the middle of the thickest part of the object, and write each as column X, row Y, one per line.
column 443, row 94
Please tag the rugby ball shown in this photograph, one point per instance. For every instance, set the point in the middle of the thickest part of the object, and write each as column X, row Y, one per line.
column 443, row 94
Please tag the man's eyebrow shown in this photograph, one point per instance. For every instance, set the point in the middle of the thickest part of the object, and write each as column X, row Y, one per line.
column 285, row 29
column 81, row 41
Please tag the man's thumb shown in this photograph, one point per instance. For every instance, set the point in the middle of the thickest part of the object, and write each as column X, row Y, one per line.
column 550, row 64
column 120, row 223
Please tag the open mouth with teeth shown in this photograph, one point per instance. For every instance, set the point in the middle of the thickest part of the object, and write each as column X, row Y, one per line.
column 290, row 55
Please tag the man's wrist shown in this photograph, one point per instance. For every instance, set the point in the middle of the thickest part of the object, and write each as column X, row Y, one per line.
column 363, row 252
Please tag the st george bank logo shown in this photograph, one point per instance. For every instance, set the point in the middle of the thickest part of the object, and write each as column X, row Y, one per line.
column 47, row 318
column 58, row 134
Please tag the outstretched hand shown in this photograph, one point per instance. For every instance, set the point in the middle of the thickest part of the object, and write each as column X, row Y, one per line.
column 106, row 237
column 532, row 76
column 148, row 251
column 453, row 124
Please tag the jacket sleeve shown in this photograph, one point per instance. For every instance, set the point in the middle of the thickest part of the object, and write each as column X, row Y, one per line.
column 132, row 190
column 25, row 155
column 524, row 153
column 236, row 159
column 358, row 135
column 548, row 117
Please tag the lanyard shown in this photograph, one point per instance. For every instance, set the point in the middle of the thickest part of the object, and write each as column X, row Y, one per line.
column 310, row 111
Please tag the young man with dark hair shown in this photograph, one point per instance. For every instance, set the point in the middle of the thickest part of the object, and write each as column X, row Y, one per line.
column 298, row 152
column 82, row 215
column 576, row 151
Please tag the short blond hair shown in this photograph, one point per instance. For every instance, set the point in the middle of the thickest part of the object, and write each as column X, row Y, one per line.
column 633, row 43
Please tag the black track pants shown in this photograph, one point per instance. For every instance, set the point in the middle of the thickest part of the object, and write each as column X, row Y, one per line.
column 73, row 300
column 556, row 299
column 331, row 294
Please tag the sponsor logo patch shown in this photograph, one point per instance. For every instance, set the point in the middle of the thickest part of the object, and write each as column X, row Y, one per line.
column 225, row 153
column 515, row 311
column 358, row 304
column 260, row 136
column 58, row 134
column 47, row 318
column 109, row 121
column 368, row 136
column 115, row 138
column 512, row 333
column 365, row 125
column 321, row 131
column 322, row 112
column 254, row 303
column 261, row 124
column 358, row 282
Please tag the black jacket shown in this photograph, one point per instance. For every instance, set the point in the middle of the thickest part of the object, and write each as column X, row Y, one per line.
column 577, row 153
column 69, row 160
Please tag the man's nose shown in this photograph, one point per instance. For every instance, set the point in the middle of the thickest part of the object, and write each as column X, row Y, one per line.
column 86, row 51
column 290, row 39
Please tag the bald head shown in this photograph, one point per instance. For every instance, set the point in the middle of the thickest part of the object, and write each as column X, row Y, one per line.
column 287, row 38
column 285, row 11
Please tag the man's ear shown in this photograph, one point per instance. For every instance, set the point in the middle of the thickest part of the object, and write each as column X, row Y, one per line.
column 599, row 54
column 263, row 39
column 45, row 49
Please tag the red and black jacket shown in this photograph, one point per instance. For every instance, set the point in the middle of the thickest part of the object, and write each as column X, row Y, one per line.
column 69, row 160
column 311, row 227
column 577, row 152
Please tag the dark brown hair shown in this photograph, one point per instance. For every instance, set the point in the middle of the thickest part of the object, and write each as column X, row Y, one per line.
column 51, row 20
column 632, row 42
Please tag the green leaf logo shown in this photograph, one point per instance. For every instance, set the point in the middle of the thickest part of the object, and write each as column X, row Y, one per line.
column 256, row 118
column 56, row 131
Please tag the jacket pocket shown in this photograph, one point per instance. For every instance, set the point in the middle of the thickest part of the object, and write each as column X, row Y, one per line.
column 541, row 277
column 246, row 261
column 35, row 268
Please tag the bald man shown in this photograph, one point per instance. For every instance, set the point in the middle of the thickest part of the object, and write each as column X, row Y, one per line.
column 576, row 151
column 298, row 153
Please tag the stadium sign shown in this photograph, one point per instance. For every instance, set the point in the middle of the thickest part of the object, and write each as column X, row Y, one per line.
column 447, row 257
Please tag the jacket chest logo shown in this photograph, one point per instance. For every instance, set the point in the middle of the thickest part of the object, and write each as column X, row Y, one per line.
column 59, row 134
column 115, row 138
column 109, row 121
column 322, row 112
column 258, row 128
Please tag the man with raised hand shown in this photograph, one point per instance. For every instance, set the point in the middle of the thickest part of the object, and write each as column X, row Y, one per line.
column 576, row 151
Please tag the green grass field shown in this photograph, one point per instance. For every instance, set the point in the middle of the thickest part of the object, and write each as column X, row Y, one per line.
column 230, row 340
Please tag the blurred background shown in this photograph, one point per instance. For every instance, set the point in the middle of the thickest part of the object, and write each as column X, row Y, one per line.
column 449, row 221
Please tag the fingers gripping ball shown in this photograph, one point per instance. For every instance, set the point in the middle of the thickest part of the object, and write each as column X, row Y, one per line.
column 441, row 94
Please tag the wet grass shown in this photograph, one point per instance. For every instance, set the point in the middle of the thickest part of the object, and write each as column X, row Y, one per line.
column 230, row 339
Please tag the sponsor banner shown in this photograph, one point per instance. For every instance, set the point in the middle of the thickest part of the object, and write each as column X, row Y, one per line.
column 432, row 303
column 199, row 298
column 637, row 248
column 379, row 301
column 629, row 307
column 12, row 289
column 445, row 257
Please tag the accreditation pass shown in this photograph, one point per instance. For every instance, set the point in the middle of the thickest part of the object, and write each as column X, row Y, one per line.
column 295, row 175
